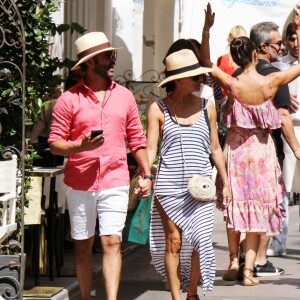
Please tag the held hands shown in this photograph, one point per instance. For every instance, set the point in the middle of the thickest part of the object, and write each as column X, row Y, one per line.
column 209, row 18
column 144, row 187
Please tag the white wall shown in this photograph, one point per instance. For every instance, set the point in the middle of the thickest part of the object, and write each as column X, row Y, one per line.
column 159, row 35
column 126, row 25
column 164, row 30
column 149, row 41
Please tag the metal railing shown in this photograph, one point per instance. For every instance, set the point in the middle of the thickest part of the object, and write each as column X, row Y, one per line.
column 9, row 71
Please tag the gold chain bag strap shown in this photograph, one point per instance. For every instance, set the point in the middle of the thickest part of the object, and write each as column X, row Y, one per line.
column 202, row 188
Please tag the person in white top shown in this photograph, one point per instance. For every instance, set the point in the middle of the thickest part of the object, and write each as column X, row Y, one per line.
column 291, row 166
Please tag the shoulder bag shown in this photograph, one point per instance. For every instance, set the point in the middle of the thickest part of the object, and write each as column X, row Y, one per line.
column 202, row 188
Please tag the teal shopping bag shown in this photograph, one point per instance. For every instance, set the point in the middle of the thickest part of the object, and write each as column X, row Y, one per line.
column 137, row 225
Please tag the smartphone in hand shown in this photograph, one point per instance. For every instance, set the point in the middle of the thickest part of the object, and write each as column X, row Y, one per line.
column 95, row 133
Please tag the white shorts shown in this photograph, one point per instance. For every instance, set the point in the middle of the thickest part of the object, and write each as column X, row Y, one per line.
column 110, row 205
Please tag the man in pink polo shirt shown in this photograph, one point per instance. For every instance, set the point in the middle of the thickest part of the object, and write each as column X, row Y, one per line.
column 96, row 173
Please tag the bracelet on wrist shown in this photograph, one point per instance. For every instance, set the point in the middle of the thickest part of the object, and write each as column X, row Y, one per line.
column 205, row 34
column 148, row 176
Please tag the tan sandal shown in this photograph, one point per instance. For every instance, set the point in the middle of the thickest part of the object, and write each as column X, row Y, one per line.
column 231, row 272
column 249, row 280
column 194, row 297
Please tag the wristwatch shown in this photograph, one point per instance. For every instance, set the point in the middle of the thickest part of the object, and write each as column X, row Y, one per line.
column 148, row 176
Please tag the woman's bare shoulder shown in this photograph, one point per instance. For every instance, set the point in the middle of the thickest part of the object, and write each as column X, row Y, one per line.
column 155, row 109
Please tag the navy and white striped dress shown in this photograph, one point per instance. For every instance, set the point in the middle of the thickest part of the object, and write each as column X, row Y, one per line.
column 194, row 218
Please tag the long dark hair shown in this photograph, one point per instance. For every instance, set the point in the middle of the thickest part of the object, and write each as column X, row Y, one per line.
column 178, row 45
column 241, row 50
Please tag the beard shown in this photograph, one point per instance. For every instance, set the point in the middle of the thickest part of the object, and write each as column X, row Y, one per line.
column 104, row 71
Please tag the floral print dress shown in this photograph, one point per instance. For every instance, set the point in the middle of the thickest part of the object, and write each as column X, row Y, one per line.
column 253, row 169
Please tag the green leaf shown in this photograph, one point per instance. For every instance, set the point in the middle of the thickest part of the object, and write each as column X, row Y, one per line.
column 78, row 28
column 63, row 28
column 37, row 31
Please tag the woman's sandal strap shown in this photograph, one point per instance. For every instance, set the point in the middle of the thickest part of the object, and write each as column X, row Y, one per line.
column 250, row 278
column 248, row 269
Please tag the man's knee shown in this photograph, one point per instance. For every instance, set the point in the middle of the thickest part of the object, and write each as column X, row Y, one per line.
column 111, row 242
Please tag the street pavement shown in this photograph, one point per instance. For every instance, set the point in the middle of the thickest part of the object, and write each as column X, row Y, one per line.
column 141, row 282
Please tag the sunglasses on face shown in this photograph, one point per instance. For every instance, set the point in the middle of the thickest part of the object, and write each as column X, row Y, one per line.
column 197, row 77
column 111, row 55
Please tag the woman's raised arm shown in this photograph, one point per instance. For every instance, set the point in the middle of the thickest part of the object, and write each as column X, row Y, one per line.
column 222, row 78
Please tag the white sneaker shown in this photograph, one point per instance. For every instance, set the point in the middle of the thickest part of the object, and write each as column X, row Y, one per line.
column 276, row 248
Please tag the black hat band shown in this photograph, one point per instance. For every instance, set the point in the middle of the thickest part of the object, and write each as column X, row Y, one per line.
column 183, row 70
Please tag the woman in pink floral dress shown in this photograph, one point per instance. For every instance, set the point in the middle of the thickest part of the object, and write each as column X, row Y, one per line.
column 252, row 166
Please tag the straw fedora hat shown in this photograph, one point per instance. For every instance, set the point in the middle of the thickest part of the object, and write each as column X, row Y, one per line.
column 90, row 45
column 181, row 64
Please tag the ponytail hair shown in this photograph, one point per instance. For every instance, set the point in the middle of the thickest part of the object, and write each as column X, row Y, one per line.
column 241, row 50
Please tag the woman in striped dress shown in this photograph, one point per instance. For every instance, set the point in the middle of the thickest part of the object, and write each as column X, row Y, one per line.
column 181, row 227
